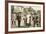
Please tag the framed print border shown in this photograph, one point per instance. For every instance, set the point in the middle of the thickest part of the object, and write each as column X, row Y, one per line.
column 6, row 16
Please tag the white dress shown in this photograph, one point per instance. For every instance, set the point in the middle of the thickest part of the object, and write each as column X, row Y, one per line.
column 22, row 21
column 28, row 18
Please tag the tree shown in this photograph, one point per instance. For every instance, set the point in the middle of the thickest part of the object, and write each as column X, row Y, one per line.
column 38, row 12
column 12, row 9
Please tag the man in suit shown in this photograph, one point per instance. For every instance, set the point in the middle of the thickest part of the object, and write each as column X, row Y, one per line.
column 19, row 18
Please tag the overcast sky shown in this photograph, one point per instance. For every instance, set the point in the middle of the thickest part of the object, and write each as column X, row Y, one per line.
column 36, row 8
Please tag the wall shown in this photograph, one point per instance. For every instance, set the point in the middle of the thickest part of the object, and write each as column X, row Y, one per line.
column 2, row 17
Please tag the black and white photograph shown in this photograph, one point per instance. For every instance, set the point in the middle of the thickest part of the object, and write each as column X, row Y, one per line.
column 25, row 16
